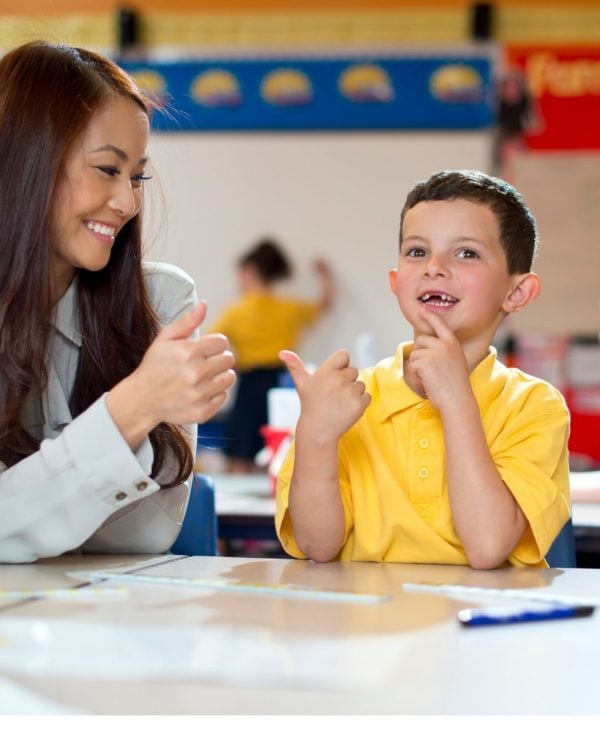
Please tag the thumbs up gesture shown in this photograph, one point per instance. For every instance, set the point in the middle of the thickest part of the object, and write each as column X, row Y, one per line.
column 332, row 398
column 180, row 380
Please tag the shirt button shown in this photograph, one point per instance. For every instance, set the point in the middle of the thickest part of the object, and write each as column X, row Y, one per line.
column 423, row 473
column 424, row 443
column 120, row 496
column 426, row 413
column 142, row 485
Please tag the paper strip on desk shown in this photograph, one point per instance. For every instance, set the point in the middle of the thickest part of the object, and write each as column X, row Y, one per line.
column 235, row 585
column 467, row 592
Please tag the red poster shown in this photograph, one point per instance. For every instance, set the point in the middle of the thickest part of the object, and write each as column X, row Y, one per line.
column 563, row 87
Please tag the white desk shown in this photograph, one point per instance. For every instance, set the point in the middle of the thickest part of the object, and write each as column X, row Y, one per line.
column 185, row 650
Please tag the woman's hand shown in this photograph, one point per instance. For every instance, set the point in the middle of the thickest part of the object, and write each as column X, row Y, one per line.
column 180, row 380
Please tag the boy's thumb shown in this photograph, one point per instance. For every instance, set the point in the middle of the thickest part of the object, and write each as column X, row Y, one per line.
column 295, row 366
column 184, row 326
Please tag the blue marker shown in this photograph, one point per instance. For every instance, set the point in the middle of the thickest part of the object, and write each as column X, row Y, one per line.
column 522, row 614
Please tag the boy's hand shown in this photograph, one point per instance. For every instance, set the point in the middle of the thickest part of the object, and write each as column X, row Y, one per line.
column 438, row 364
column 332, row 398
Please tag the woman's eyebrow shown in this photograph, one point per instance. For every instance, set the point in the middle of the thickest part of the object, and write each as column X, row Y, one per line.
column 117, row 151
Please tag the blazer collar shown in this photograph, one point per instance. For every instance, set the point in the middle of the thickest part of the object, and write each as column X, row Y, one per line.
column 65, row 316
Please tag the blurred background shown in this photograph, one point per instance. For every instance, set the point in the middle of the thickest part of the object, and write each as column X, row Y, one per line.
column 309, row 121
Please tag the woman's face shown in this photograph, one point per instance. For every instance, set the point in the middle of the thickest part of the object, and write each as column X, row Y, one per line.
column 100, row 190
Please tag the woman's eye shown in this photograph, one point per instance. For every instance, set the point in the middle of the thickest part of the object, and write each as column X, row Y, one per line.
column 109, row 170
column 140, row 178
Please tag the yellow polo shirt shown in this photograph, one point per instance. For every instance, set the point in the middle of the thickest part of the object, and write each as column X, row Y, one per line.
column 260, row 325
column 392, row 467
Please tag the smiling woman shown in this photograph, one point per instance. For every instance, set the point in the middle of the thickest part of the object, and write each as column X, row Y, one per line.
column 101, row 383
column 99, row 176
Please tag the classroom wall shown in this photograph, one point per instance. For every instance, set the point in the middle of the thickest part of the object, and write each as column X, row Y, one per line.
column 213, row 25
column 324, row 195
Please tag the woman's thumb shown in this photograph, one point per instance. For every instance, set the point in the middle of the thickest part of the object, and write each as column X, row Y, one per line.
column 185, row 326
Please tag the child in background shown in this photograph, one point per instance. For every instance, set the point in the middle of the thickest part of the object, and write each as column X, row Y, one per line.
column 440, row 454
column 259, row 326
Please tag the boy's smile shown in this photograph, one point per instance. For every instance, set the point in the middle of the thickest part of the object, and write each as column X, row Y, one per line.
column 452, row 263
column 438, row 299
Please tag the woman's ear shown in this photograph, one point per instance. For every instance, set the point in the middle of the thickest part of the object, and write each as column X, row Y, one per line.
column 525, row 289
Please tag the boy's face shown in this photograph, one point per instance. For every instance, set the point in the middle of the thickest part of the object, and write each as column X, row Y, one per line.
column 452, row 263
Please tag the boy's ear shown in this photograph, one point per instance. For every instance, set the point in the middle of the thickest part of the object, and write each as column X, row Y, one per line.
column 525, row 289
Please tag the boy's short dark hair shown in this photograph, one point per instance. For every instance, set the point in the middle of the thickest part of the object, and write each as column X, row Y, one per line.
column 269, row 260
column 518, row 232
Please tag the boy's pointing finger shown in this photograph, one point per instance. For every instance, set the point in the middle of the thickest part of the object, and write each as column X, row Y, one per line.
column 438, row 324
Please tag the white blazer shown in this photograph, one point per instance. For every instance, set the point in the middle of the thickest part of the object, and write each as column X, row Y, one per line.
column 85, row 489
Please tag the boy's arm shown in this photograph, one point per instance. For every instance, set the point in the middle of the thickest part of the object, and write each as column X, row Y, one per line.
column 486, row 515
column 332, row 400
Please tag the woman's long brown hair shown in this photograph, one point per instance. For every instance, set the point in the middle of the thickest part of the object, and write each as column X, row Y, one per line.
column 48, row 93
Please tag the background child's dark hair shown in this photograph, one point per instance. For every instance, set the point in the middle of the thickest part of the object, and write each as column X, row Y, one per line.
column 518, row 232
column 269, row 260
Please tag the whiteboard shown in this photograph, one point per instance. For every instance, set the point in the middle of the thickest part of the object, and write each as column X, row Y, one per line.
column 336, row 196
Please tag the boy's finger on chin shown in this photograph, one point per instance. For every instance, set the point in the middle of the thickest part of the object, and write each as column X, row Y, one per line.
column 438, row 324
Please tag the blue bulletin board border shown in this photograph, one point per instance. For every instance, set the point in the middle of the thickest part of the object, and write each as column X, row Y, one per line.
column 450, row 92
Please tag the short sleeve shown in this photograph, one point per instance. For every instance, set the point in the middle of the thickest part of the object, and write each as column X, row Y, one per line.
column 533, row 463
column 283, row 523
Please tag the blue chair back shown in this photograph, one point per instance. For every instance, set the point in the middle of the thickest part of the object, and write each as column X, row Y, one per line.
column 198, row 535
column 562, row 551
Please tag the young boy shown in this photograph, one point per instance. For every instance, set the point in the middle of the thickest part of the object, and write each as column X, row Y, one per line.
column 440, row 454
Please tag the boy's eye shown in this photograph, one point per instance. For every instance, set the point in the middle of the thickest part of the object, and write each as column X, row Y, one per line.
column 467, row 253
column 415, row 252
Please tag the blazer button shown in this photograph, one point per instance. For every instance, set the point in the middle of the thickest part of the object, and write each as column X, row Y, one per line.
column 120, row 496
column 142, row 485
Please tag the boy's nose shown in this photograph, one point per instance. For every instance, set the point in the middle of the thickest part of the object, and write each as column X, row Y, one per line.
column 435, row 267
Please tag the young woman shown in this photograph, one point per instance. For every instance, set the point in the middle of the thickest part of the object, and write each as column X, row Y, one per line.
column 98, row 402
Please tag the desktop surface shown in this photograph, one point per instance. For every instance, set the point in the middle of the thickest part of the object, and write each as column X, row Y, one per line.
column 269, row 636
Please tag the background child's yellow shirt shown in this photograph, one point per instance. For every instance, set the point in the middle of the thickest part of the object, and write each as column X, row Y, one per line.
column 393, row 477
column 260, row 325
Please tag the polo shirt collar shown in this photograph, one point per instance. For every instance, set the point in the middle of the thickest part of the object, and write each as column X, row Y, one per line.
column 65, row 316
column 487, row 380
